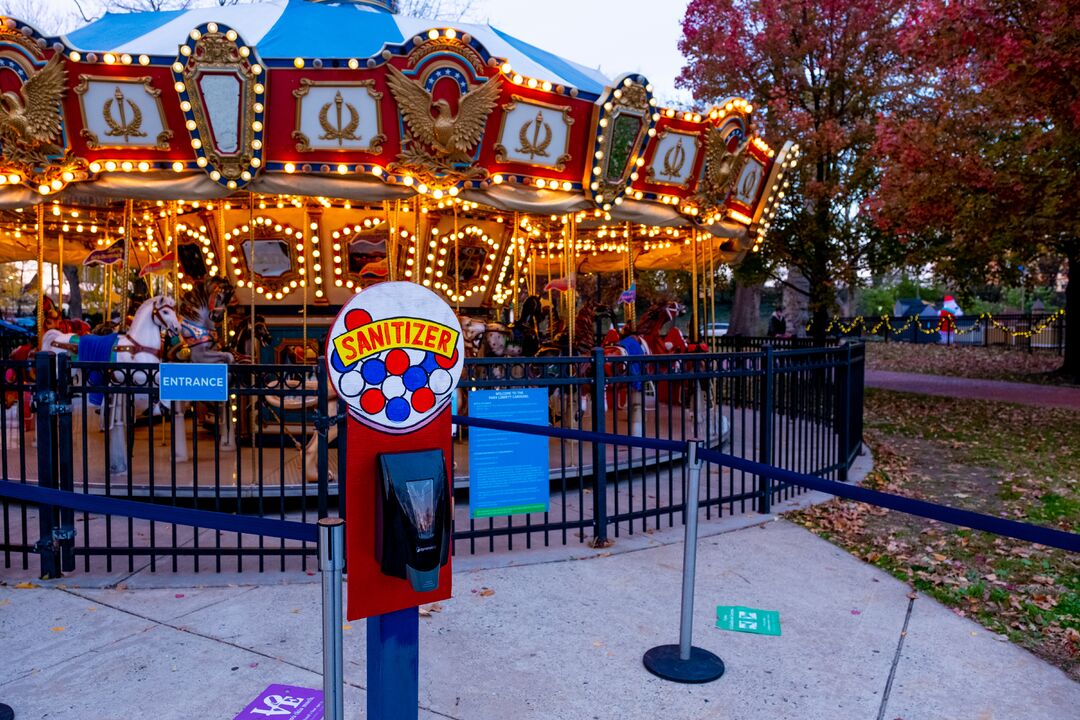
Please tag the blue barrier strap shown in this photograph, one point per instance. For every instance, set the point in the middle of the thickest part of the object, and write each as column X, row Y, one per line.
column 566, row 434
column 105, row 505
column 1050, row 537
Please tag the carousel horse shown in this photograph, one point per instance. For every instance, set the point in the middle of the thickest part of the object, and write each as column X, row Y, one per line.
column 646, row 339
column 238, row 333
column 202, row 310
column 584, row 342
column 142, row 343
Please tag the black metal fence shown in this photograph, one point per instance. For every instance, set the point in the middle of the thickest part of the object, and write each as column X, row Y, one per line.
column 277, row 450
column 1031, row 331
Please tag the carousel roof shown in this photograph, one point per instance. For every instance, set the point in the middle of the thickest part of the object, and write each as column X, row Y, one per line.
column 348, row 107
column 286, row 29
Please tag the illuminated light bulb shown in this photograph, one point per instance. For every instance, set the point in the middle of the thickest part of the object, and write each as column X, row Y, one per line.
column 144, row 166
column 290, row 168
column 298, row 63
column 110, row 165
column 353, row 63
column 75, row 56
column 201, row 162
column 451, row 33
column 433, row 34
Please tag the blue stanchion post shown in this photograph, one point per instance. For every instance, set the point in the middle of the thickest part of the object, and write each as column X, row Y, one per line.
column 393, row 665
column 685, row 663
column 332, row 563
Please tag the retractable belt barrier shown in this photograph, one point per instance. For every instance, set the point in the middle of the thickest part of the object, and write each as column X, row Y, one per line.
column 1050, row 537
column 104, row 505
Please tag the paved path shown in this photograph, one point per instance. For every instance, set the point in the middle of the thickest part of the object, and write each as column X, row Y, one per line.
column 552, row 640
column 996, row 390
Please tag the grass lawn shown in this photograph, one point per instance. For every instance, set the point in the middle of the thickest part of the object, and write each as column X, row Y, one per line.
column 1008, row 460
column 993, row 363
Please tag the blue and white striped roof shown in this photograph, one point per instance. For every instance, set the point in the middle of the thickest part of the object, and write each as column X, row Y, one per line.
column 298, row 28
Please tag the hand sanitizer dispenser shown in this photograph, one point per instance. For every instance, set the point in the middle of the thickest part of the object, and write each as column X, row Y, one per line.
column 412, row 533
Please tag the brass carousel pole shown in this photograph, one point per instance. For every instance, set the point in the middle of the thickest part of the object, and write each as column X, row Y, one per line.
column 60, row 275
column 175, row 242
column 41, row 271
column 128, row 209
column 711, row 288
column 307, row 270
column 514, row 304
column 695, row 329
column 457, row 264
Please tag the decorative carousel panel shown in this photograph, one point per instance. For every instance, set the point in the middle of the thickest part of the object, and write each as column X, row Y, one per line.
column 338, row 116
column 122, row 113
column 674, row 157
column 34, row 140
column 444, row 102
column 626, row 119
column 223, row 99
column 535, row 133
column 267, row 255
column 460, row 264
column 360, row 253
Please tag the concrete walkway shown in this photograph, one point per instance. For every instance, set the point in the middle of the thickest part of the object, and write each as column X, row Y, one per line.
column 997, row 390
column 561, row 638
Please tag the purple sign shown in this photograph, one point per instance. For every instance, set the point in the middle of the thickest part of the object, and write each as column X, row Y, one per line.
column 285, row 702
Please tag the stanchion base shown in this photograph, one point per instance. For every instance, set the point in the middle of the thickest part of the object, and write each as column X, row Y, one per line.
column 6, row 713
column 702, row 667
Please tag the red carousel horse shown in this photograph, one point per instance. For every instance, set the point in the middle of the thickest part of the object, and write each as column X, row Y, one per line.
column 647, row 339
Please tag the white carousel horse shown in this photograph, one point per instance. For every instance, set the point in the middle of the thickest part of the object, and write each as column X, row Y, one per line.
column 141, row 343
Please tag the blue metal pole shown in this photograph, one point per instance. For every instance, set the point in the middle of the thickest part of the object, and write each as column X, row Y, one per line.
column 393, row 665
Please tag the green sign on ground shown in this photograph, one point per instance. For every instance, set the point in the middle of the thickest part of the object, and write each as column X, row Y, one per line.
column 749, row 620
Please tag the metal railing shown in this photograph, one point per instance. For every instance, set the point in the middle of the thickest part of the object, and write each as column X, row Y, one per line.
column 1023, row 331
column 276, row 450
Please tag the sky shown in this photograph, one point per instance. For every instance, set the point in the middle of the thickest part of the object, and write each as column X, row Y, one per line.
column 616, row 36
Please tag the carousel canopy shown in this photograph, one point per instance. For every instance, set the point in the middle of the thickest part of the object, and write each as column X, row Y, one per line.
column 344, row 117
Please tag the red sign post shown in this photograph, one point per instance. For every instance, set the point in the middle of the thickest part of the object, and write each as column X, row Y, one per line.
column 394, row 356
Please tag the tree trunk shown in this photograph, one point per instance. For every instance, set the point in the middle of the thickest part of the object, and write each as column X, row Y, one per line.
column 1071, row 366
column 796, row 303
column 71, row 273
column 746, row 310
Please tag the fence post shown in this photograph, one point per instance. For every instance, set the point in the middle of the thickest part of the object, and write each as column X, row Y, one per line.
column 844, row 417
column 61, row 410
column 765, row 430
column 331, row 563
column 599, row 452
column 48, row 515
column 322, row 429
column 1061, row 334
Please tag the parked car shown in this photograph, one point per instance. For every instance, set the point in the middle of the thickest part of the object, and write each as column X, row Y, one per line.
column 716, row 329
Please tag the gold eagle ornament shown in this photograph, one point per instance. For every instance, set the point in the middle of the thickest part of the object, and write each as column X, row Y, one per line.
column 30, row 119
column 434, row 124
column 720, row 166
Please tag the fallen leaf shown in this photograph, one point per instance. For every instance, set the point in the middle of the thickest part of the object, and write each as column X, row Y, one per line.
column 179, row 595
column 427, row 610
column 58, row 628
column 856, row 612
column 346, row 626
column 486, row 592
column 25, row 586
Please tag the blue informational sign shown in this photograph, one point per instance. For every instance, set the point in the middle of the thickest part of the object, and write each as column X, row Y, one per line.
column 508, row 472
column 189, row 382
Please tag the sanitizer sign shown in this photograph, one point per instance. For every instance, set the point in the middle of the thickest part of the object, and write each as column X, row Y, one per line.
column 395, row 354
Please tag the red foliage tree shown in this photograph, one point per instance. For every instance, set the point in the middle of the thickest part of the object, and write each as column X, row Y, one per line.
column 982, row 164
column 822, row 70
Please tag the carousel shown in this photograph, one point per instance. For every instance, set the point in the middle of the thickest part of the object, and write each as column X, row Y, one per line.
column 227, row 177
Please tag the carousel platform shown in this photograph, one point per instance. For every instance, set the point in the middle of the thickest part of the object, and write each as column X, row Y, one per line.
column 276, row 466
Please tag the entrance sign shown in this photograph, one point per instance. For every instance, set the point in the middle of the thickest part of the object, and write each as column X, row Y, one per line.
column 394, row 356
column 285, row 702
column 508, row 472
column 191, row 382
